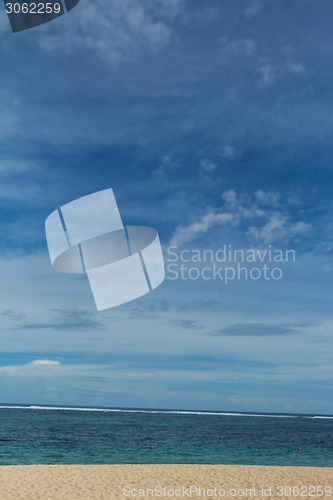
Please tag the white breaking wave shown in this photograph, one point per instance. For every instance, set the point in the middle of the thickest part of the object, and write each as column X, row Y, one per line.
column 172, row 412
column 319, row 416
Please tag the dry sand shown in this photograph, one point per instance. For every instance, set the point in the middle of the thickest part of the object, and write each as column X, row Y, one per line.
column 105, row 482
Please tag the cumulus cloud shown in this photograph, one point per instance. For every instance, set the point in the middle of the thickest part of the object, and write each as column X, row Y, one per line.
column 245, row 46
column 297, row 68
column 186, row 234
column 278, row 228
column 113, row 30
column 268, row 74
column 228, row 152
column 229, row 197
column 207, row 165
column 270, row 198
column 168, row 164
column 253, row 9
column 273, row 221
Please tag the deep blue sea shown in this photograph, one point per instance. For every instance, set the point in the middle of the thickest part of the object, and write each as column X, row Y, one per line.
column 45, row 435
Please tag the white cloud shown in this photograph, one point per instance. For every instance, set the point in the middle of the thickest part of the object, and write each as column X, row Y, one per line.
column 270, row 198
column 208, row 165
column 253, row 9
column 114, row 30
column 271, row 225
column 30, row 369
column 294, row 198
column 268, row 74
column 45, row 362
column 245, row 46
column 228, row 152
column 168, row 164
column 297, row 68
column 186, row 234
column 278, row 228
column 229, row 197
column 274, row 230
column 299, row 228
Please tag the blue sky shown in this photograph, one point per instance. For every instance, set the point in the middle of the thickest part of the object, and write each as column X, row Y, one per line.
column 212, row 123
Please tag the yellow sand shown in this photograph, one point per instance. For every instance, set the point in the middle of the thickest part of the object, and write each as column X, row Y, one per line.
column 106, row 482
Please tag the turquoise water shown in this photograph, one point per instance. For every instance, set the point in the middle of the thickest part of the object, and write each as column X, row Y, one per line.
column 42, row 435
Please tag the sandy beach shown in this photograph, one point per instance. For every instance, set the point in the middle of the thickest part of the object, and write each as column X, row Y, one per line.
column 105, row 482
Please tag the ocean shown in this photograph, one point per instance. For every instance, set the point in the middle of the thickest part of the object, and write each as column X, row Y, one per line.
column 69, row 435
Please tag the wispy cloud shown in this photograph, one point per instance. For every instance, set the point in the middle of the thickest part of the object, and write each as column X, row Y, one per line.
column 297, row 68
column 64, row 319
column 37, row 367
column 45, row 362
column 186, row 234
column 254, row 8
column 269, row 74
column 258, row 330
column 115, row 31
column 270, row 198
column 273, row 219
column 240, row 46
column 187, row 324
column 168, row 164
column 207, row 165
column 229, row 152
column 9, row 313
